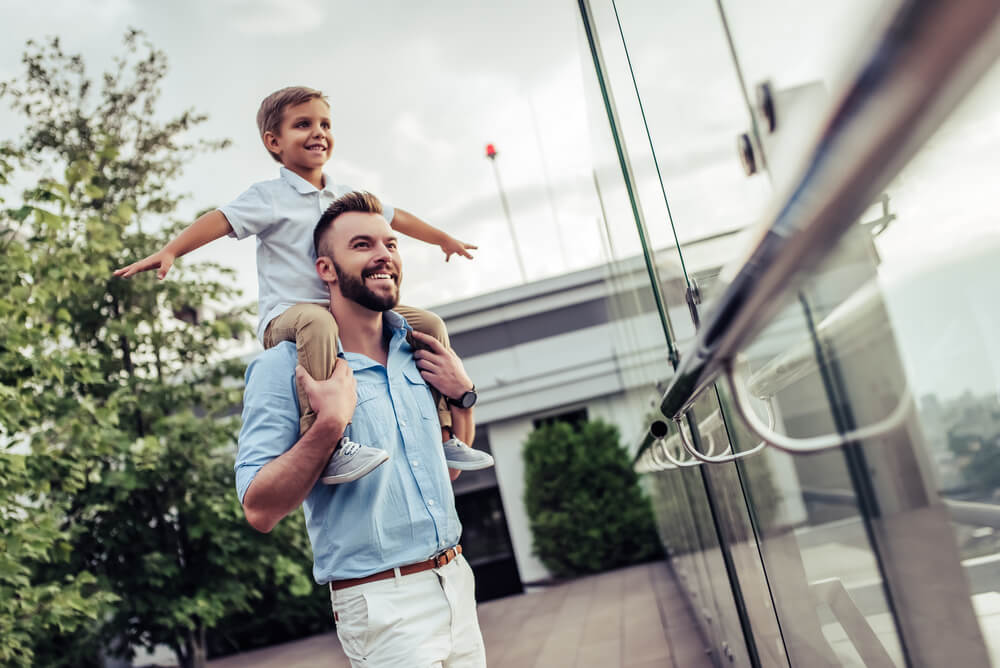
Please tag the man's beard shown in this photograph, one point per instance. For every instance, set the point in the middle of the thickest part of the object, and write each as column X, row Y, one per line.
column 354, row 288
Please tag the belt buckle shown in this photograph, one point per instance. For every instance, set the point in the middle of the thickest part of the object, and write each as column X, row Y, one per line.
column 441, row 560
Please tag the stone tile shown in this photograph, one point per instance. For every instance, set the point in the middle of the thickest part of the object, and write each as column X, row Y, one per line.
column 649, row 663
column 605, row 654
column 319, row 650
column 631, row 618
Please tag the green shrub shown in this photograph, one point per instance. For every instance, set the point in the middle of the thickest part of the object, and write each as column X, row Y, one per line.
column 583, row 499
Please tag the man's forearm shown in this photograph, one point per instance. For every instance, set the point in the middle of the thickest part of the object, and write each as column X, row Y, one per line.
column 283, row 484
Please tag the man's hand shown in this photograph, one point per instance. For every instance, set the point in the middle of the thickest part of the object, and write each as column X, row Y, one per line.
column 334, row 398
column 441, row 367
column 451, row 246
column 161, row 259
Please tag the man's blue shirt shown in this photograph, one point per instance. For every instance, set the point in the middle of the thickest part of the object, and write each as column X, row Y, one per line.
column 400, row 513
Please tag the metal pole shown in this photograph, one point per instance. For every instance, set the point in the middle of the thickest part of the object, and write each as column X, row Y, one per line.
column 491, row 153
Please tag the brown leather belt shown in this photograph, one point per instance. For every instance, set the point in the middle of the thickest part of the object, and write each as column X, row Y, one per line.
column 437, row 561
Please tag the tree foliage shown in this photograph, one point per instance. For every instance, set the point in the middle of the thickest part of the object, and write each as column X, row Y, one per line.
column 583, row 499
column 120, row 523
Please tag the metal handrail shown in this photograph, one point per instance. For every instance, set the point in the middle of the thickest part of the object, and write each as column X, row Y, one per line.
column 727, row 455
column 928, row 57
column 814, row 444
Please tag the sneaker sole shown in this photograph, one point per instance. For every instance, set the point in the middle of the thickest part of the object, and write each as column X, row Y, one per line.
column 470, row 466
column 359, row 472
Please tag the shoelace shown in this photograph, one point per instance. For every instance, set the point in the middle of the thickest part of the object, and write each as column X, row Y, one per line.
column 349, row 448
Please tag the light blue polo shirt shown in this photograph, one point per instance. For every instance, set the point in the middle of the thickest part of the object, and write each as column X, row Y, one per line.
column 400, row 513
column 283, row 213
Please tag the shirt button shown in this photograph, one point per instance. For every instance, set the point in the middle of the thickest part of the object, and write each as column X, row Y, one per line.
column 430, row 502
column 402, row 423
column 415, row 462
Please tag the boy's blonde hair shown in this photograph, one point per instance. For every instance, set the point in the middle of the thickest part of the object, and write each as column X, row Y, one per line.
column 272, row 109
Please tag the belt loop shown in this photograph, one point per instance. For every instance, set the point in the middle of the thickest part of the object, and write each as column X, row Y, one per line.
column 397, row 575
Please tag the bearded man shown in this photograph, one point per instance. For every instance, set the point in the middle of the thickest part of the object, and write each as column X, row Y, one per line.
column 386, row 544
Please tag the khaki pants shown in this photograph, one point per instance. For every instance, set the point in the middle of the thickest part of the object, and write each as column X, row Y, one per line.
column 314, row 331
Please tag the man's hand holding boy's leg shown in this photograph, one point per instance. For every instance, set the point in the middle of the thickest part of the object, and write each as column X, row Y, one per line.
column 334, row 401
column 283, row 483
column 441, row 367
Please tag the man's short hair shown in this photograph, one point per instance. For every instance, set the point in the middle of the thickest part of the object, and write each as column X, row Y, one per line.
column 358, row 201
column 272, row 109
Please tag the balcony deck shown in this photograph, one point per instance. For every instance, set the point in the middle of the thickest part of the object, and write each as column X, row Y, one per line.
column 630, row 618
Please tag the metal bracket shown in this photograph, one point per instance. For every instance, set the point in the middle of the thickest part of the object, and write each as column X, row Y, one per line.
column 692, row 295
column 727, row 455
column 658, row 431
column 677, row 463
column 815, row 443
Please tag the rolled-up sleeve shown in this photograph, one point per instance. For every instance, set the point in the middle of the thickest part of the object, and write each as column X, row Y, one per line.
column 250, row 213
column 270, row 413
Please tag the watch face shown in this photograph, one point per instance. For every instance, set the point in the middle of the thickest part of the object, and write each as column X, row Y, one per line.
column 468, row 399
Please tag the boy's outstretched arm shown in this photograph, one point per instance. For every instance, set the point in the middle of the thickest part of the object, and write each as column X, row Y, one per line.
column 408, row 224
column 209, row 227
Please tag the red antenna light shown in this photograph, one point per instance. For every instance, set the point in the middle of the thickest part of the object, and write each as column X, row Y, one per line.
column 491, row 151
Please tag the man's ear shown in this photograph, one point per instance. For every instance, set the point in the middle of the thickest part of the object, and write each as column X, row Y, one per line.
column 325, row 270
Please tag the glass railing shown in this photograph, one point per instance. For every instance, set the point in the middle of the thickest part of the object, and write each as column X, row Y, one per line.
column 855, row 338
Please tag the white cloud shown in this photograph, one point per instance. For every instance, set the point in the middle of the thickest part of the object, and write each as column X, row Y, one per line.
column 276, row 17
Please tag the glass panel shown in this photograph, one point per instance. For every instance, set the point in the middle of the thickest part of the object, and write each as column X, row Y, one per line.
column 932, row 321
column 823, row 571
column 694, row 114
column 680, row 498
column 914, row 280
column 731, row 484
column 686, row 525
column 742, row 549
column 803, row 52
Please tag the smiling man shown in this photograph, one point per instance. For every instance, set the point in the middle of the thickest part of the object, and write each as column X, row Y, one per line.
column 387, row 544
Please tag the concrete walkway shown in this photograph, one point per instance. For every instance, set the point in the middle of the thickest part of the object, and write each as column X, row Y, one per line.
column 631, row 618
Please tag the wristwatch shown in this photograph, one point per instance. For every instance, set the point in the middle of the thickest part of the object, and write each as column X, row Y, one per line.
column 466, row 400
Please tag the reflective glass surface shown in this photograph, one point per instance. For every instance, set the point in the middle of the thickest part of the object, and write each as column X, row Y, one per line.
column 887, row 344
column 681, row 111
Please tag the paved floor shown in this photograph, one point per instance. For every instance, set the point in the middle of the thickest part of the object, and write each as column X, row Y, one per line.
column 631, row 618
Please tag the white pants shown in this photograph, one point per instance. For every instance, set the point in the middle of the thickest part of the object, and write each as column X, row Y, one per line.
column 424, row 620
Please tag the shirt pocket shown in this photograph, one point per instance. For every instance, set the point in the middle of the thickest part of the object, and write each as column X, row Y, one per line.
column 368, row 420
column 421, row 392
column 368, row 391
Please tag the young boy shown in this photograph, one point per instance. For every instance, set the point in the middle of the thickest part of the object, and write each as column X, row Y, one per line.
column 295, row 127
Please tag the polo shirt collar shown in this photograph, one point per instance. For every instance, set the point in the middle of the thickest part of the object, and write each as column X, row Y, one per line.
column 302, row 186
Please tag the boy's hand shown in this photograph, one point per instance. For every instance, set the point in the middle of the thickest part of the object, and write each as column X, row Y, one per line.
column 160, row 259
column 441, row 366
column 334, row 398
column 451, row 246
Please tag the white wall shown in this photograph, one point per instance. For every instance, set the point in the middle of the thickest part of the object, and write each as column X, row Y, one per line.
column 507, row 439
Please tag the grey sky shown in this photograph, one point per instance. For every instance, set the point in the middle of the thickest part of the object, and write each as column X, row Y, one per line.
column 419, row 89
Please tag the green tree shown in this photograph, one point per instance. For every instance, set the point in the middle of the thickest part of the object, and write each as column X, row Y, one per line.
column 125, row 501
column 586, row 508
column 32, row 535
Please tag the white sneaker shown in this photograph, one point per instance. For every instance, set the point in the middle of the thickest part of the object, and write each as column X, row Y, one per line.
column 351, row 461
column 460, row 456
